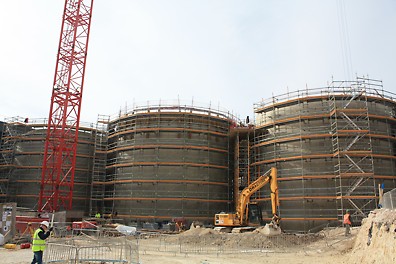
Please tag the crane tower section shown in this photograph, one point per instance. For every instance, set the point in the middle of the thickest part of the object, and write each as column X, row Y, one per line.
column 57, row 178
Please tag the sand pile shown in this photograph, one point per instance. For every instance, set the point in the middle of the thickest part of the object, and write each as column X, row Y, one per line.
column 208, row 236
column 376, row 240
column 198, row 231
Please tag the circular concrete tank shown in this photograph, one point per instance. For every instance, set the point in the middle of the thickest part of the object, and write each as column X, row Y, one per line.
column 332, row 146
column 25, row 175
column 168, row 162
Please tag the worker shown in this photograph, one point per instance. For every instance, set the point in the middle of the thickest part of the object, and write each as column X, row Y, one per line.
column 97, row 215
column 38, row 245
column 347, row 223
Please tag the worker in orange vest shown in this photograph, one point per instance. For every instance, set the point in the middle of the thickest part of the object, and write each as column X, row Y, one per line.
column 347, row 223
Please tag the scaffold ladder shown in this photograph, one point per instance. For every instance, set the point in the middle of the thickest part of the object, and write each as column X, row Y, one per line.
column 99, row 165
column 336, row 156
column 242, row 156
column 352, row 149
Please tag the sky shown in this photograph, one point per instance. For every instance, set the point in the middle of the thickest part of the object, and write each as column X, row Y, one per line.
column 223, row 54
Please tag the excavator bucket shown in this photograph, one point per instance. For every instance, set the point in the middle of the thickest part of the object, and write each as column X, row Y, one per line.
column 270, row 230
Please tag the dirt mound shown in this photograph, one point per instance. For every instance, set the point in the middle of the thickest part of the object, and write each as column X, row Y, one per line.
column 376, row 240
column 201, row 235
column 198, row 231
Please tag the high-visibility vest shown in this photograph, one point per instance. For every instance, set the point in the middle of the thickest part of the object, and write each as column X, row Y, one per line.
column 38, row 243
column 346, row 219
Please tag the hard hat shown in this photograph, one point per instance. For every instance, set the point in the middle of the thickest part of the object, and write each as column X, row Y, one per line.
column 45, row 223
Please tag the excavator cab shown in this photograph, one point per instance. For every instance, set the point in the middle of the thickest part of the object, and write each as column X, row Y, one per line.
column 255, row 217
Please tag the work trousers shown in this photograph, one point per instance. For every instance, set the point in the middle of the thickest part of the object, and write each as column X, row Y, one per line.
column 38, row 257
column 347, row 229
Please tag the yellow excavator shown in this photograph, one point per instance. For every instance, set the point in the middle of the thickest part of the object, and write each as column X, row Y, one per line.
column 249, row 214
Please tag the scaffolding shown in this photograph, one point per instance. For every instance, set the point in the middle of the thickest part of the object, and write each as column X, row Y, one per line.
column 352, row 146
column 331, row 146
column 21, row 150
column 11, row 129
column 99, row 165
column 5, row 161
column 241, row 137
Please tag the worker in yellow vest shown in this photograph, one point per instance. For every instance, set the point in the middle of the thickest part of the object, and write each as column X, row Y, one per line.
column 38, row 244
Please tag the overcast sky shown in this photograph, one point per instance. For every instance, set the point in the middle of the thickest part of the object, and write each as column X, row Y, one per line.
column 230, row 53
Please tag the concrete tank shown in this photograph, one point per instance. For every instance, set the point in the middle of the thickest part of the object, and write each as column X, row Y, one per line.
column 167, row 162
column 24, row 175
column 332, row 146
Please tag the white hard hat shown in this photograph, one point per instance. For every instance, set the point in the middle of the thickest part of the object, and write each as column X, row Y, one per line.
column 45, row 223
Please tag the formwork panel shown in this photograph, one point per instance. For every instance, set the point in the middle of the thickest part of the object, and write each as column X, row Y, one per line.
column 171, row 172
column 164, row 211
column 157, row 190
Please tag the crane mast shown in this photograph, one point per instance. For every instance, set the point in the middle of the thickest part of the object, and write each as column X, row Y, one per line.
column 57, row 178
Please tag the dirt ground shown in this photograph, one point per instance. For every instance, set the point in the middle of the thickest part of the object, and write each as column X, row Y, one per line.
column 320, row 251
column 25, row 256
column 373, row 242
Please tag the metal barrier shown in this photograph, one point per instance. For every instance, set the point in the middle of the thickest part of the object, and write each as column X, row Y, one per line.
column 222, row 244
column 83, row 250
column 389, row 200
column 126, row 249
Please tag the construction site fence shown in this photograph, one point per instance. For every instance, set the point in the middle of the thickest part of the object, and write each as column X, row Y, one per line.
column 221, row 244
column 92, row 250
column 100, row 248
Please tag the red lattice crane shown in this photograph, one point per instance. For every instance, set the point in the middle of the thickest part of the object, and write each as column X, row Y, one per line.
column 57, row 178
